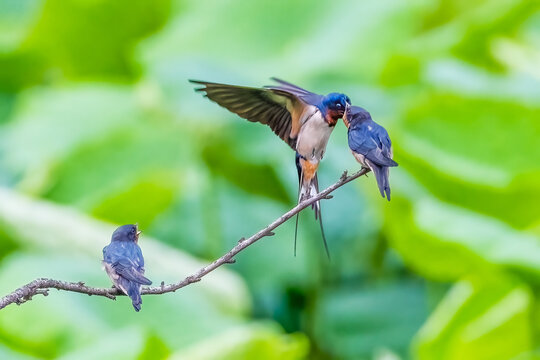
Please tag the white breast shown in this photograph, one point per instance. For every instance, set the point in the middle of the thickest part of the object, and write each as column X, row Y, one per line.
column 313, row 136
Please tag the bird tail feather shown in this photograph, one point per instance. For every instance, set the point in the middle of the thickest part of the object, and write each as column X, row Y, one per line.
column 307, row 190
column 381, row 175
column 134, row 292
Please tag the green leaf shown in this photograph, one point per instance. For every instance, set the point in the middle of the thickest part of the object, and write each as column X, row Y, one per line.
column 156, row 192
column 255, row 178
column 154, row 349
column 16, row 16
column 446, row 242
column 89, row 39
column 124, row 344
column 7, row 353
column 467, row 162
column 475, row 129
column 48, row 227
column 18, row 68
column 356, row 322
column 256, row 341
column 498, row 19
column 44, row 131
column 482, row 317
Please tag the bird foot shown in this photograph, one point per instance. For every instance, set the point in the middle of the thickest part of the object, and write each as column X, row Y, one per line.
column 304, row 197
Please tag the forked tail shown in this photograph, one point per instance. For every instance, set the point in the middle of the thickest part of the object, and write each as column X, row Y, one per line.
column 306, row 190
column 134, row 292
column 381, row 175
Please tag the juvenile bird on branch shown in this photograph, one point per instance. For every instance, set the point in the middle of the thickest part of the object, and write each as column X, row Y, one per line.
column 42, row 286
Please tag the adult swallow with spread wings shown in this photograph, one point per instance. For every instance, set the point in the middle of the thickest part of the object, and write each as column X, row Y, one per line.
column 124, row 263
column 370, row 145
column 304, row 120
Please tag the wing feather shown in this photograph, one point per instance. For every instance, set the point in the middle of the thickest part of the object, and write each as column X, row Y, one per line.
column 271, row 105
column 372, row 141
column 128, row 270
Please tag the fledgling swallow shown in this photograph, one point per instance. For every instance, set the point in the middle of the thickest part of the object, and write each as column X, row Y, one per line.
column 124, row 263
column 370, row 145
column 304, row 120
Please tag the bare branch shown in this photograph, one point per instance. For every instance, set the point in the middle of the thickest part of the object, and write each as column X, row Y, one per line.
column 42, row 286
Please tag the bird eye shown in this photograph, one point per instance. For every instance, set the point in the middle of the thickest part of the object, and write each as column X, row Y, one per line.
column 338, row 105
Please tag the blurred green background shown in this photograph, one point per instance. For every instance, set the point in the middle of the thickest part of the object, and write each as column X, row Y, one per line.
column 99, row 127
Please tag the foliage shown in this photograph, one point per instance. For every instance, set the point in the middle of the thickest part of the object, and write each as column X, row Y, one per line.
column 99, row 126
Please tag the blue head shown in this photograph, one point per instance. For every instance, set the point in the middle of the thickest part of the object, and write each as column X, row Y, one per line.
column 355, row 115
column 126, row 233
column 333, row 107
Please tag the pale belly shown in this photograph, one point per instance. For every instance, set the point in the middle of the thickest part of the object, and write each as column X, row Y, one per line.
column 114, row 277
column 361, row 159
column 313, row 138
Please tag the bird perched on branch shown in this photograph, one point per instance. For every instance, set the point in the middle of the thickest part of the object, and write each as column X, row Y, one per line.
column 370, row 145
column 124, row 263
column 304, row 120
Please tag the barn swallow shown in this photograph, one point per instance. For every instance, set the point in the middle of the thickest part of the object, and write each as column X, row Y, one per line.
column 304, row 120
column 370, row 145
column 124, row 263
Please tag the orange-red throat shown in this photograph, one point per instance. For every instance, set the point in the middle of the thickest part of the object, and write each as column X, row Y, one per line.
column 332, row 117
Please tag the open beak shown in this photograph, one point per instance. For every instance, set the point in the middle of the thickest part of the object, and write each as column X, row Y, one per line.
column 138, row 231
column 345, row 115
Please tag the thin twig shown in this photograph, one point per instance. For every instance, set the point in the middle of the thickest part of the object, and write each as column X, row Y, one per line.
column 41, row 286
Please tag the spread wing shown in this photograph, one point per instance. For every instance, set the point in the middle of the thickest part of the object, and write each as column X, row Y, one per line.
column 279, row 107
column 293, row 89
column 372, row 141
column 129, row 270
